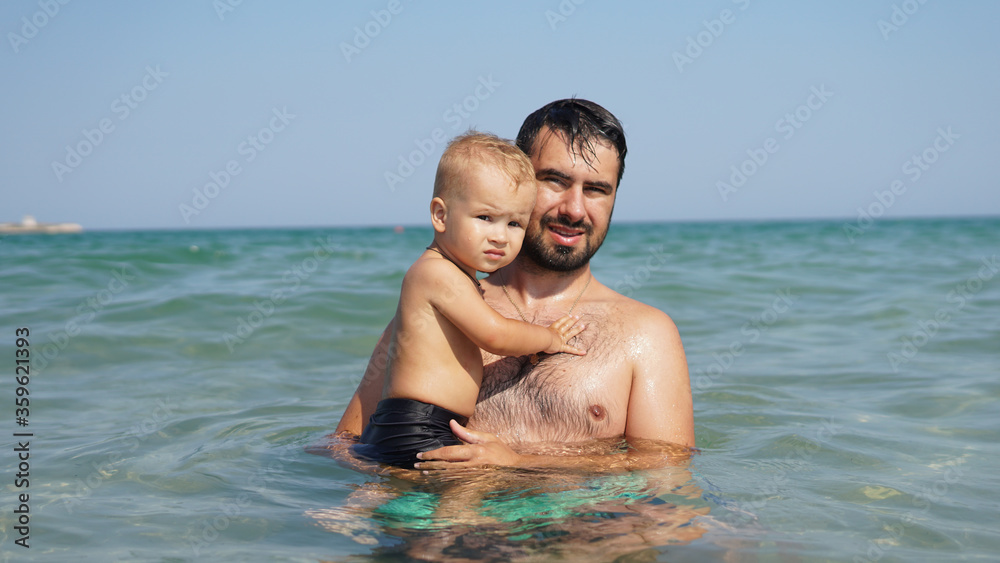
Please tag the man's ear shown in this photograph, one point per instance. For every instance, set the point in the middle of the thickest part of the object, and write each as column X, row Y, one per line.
column 439, row 212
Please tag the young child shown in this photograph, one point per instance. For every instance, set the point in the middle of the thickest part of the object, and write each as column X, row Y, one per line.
column 484, row 193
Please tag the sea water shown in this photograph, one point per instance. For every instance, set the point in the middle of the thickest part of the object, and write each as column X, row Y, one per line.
column 845, row 382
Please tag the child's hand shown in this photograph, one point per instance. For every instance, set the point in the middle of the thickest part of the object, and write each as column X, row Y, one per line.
column 563, row 331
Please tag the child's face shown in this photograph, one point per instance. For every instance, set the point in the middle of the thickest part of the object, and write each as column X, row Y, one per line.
column 484, row 227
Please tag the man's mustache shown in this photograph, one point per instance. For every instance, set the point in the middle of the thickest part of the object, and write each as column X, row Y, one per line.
column 563, row 221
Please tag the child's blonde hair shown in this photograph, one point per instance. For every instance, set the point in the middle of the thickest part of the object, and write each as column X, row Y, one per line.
column 472, row 148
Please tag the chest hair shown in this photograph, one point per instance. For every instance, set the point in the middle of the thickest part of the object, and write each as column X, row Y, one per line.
column 562, row 398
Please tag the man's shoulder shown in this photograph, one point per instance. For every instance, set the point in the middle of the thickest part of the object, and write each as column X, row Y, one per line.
column 654, row 341
column 638, row 317
column 641, row 312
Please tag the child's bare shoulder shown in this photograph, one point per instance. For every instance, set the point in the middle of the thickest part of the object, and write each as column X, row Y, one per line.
column 434, row 274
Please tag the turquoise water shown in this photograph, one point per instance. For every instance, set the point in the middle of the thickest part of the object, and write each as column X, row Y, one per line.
column 846, row 400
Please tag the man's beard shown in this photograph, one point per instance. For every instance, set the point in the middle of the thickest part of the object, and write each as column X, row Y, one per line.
column 551, row 256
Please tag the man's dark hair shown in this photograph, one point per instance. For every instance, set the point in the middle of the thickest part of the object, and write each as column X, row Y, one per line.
column 582, row 122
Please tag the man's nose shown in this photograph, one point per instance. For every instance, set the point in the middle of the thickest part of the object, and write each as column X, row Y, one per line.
column 571, row 204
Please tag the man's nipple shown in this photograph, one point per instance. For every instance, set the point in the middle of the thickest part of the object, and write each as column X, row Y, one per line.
column 598, row 412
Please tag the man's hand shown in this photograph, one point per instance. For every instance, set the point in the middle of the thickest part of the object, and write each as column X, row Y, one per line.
column 484, row 449
column 481, row 449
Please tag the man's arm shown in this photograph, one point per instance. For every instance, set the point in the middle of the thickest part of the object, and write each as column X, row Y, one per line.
column 369, row 390
column 486, row 449
column 660, row 405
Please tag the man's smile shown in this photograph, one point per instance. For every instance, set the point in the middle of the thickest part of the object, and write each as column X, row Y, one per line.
column 564, row 235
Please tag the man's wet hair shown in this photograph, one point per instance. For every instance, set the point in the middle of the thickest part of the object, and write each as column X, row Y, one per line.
column 582, row 122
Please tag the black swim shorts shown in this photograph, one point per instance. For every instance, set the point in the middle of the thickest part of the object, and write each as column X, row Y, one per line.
column 401, row 428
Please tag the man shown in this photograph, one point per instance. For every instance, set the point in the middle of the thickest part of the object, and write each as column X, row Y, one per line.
column 633, row 382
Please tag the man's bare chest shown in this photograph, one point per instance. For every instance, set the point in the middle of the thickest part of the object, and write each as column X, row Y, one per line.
column 562, row 398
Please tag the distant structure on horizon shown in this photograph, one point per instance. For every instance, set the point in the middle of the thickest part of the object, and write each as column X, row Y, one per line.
column 29, row 225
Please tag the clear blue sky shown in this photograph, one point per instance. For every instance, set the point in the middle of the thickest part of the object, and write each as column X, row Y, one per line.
column 330, row 122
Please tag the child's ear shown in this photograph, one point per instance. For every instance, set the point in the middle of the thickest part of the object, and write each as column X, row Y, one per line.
column 439, row 212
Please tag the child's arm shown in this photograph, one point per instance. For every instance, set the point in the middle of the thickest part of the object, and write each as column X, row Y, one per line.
column 453, row 295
